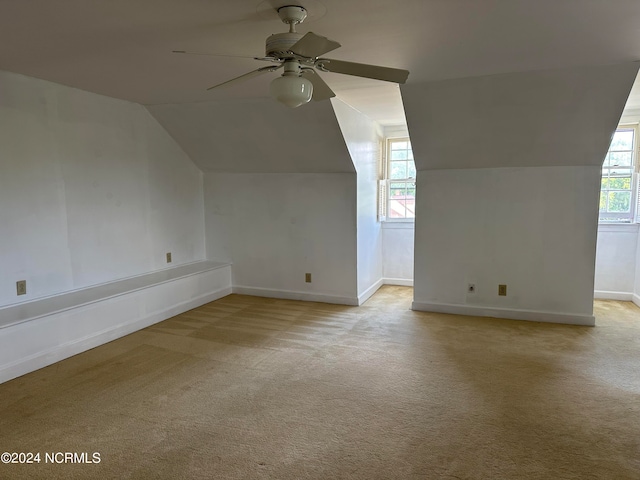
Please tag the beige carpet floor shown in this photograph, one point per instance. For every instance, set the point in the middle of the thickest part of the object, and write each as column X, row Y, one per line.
column 253, row 388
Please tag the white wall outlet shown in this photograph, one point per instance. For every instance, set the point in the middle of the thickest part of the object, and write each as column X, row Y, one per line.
column 168, row 257
column 307, row 277
column 21, row 287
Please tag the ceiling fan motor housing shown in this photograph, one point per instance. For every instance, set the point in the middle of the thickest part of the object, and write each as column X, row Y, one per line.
column 279, row 44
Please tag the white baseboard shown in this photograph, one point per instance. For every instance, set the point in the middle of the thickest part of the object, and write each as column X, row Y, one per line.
column 294, row 295
column 31, row 345
column 366, row 295
column 402, row 282
column 513, row 314
column 608, row 295
column 635, row 299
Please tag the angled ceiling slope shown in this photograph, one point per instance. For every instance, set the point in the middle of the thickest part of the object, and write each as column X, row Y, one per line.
column 543, row 118
column 257, row 135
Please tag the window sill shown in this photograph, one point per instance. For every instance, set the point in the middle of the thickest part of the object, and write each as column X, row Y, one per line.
column 399, row 224
column 618, row 227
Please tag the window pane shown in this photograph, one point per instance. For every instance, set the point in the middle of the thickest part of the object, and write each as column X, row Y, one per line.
column 617, row 178
column 622, row 140
column 619, row 202
column 402, row 200
column 400, row 167
column 398, row 155
column 397, row 197
column 398, row 170
column 620, row 183
column 397, row 190
column 620, row 159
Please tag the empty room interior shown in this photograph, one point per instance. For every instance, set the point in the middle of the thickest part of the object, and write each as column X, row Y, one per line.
column 314, row 239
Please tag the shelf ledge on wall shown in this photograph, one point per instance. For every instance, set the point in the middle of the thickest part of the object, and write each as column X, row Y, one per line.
column 31, row 310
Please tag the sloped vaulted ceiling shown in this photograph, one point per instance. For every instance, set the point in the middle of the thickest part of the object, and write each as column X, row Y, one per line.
column 258, row 135
column 541, row 118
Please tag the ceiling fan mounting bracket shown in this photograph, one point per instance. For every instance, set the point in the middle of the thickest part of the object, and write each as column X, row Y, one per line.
column 320, row 64
column 292, row 15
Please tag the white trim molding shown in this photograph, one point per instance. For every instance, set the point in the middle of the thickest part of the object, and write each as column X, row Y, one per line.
column 513, row 314
column 618, row 227
column 402, row 282
column 295, row 295
column 400, row 224
column 607, row 295
column 366, row 295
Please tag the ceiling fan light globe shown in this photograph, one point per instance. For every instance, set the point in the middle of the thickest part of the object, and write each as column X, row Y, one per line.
column 292, row 91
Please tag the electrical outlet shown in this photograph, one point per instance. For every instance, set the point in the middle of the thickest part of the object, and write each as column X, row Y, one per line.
column 21, row 287
column 471, row 288
column 502, row 290
column 168, row 257
column 307, row 277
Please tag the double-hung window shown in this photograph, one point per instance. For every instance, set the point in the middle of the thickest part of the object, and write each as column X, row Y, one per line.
column 398, row 187
column 619, row 177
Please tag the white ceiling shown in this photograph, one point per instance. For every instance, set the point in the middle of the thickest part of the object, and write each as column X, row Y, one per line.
column 122, row 48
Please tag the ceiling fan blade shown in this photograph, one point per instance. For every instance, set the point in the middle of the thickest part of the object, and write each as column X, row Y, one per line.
column 184, row 52
column 263, row 59
column 387, row 74
column 312, row 45
column 321, row 90
column 247, row 76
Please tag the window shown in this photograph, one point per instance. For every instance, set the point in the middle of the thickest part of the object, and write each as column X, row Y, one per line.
column 398, row 187
column 618, row 177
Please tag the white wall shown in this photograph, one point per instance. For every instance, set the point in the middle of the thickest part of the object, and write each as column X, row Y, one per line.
column 277, row 227
column 507, row 189
column 92, row 189
column 397, row 252
column 636, row 282
column 497, row 226
column 616, row 261
column 364, row 139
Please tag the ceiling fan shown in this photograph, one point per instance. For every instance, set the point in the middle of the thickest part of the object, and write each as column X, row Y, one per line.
column 299, row 54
